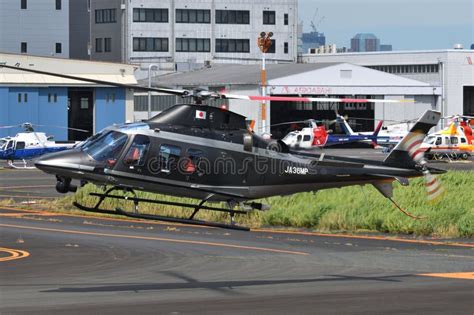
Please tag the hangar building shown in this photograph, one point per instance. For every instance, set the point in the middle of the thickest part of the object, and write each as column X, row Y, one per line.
column 56, row 102
column 450, row 69
column 311, row 80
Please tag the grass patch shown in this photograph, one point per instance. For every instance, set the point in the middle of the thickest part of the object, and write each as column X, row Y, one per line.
column 349, row 209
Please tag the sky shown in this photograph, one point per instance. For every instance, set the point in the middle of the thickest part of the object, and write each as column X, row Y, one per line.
column 406, row 24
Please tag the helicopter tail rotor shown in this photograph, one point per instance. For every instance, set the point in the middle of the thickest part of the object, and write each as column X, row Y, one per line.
column 409, row 153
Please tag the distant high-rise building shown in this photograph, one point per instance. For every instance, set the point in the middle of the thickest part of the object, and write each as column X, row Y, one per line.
column 365, row 42
column 313, row 40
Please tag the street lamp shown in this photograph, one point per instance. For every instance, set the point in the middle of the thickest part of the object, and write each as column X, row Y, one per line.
column 264, row 43
column 150, row 67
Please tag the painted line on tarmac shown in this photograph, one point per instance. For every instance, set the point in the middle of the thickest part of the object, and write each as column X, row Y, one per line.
column 162, row 239
column 25, row 187
column 366, row 237
column 28, row 197
column 14, row 254
column 21, row 214
column 266, row 231
column 451, row 275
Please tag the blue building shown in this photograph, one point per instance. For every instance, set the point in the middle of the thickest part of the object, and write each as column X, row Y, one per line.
column 54, row 103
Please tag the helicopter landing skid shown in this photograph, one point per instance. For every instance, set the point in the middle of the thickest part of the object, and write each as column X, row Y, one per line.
column 137, row 215
column 11, row 164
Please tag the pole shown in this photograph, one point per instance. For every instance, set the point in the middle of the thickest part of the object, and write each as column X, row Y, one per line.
column 264, row 93
column 153, row 65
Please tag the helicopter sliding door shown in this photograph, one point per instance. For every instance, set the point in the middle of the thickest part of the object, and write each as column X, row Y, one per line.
column 80, row 113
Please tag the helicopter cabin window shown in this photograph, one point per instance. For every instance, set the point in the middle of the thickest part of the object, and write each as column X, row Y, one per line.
column 307, row 138
column 438, row 141
column 20, row 145
column 137, row 152
column 191, row 164
column 429, row 140
column 463, row 140
column 446, row 140
column 169, row 156
column 454, row 140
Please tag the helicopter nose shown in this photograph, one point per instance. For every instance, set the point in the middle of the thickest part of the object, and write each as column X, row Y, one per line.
column 63, row 163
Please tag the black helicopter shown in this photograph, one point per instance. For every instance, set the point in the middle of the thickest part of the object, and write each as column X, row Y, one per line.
column 209, row 153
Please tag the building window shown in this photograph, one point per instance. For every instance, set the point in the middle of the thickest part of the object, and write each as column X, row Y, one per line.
column 269, row 17
column 25, row 97
column 59, row 48
column 58, row 4
column 24, row 48
column 285, row 47
column 285, row 19
column 233, row 45
column 105, row 16
column 107, row 44
column 98, row 45
column 24, row 5
column 84, row 103
column 150, row 15
column 193, row 45
column 52, row 98
column 150, row 44
column 19, row 97
column 232, row 17
column 272, row 47
column 193, row 16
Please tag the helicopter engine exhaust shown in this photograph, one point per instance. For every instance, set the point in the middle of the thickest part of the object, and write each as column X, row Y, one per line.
column 63, row 185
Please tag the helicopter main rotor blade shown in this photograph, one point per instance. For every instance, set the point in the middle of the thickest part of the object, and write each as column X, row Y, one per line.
column 62, row 127
column 122, row 85
column 309, row 99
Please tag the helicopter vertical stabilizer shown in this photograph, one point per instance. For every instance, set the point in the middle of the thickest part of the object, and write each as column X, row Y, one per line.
column 407, row 152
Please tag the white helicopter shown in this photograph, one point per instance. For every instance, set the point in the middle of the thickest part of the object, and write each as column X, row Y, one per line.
column 30, row 144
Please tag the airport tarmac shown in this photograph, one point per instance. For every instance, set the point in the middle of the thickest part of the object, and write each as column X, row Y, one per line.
column 55, row 264
column 52, row 263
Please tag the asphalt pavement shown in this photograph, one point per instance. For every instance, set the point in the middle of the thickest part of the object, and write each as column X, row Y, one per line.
column 65, row 264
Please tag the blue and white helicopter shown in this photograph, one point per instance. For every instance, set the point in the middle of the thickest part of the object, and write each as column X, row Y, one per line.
column 30, row 144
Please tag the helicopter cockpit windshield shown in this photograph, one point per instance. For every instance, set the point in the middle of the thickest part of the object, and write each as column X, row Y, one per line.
column 3, row 144
column 106, row 146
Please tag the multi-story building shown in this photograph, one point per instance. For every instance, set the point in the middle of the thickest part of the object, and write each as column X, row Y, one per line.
column 79, row 29
column 35, row 27
column 179, row 33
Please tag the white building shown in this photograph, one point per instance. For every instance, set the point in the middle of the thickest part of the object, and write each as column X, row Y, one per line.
column 451, row 71
column 182, row 35
column 35, row 27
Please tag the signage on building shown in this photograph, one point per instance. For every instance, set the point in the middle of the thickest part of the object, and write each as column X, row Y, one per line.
column 301, row 90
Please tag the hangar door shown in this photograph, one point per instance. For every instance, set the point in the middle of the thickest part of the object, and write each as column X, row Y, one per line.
column 80, row 113
column 468, row 98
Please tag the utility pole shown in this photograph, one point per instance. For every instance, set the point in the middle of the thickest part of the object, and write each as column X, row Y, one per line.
column 150, row 67
column 264, row 42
